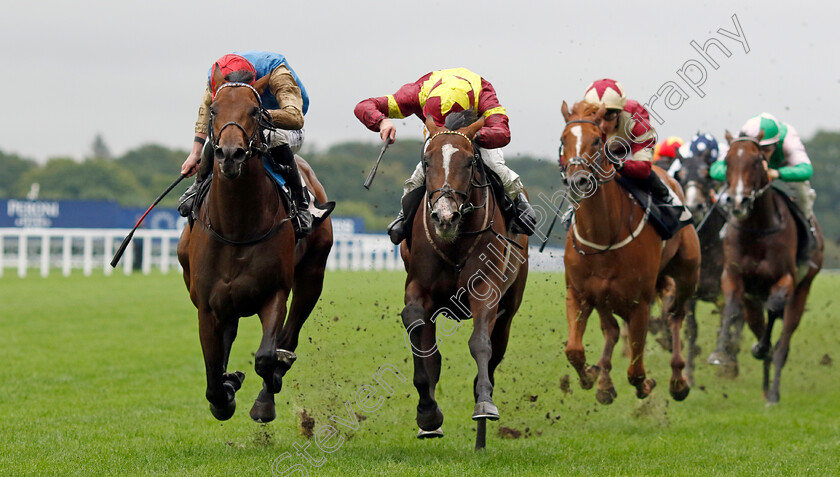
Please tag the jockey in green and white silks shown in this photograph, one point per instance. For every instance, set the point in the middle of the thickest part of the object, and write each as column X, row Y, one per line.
column 786, row 159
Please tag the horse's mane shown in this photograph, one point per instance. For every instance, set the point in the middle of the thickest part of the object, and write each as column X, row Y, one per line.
column 240, row 76
column 461, row 119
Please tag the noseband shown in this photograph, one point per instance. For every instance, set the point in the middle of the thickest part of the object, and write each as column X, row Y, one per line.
column 256, row 141
column 580, row 161
column 447, row 191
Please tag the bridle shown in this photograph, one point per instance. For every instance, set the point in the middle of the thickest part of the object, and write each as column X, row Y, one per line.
column 756, row 193
column 581, row 161
column 256, row 141
column 446, row 190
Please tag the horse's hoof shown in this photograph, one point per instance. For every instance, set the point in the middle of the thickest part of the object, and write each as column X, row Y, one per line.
column 679, row 390
column 644, row 389
column 729, row 370
column 223, row 413
column 772, row 398
column 430, row 420
column 263, row 408
column 606, row 396
column 485, row 410
column 718, row 358
column 760, row 351
column 286, row 358
column 589, row 377
column 421, row 434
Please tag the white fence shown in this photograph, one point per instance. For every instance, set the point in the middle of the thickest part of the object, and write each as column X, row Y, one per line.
column 48, row 249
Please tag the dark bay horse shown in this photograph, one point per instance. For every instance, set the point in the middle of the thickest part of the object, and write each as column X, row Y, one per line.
column 760, row 263
column 463, row 263
column 616, row 262
column 240, row 257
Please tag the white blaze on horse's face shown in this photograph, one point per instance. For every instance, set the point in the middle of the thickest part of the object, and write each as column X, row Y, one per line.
column 577, row 132
column 448, row 150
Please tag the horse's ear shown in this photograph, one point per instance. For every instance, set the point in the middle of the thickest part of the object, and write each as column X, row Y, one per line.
column 262, row 83
column 473, row 128
column 729, row 137
column 218, row 77
column 431, row 125
column 565, row 110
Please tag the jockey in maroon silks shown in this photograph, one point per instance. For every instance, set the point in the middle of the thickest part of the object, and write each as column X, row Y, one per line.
column 629, row 137
column 437, row 94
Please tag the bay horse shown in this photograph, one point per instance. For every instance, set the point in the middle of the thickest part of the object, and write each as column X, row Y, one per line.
column 462, row 263
column 240, row 257
column 760, row 259
column 616, row 262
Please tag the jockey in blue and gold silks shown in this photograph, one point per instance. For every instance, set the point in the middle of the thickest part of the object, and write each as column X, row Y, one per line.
column 286, row 102
column 438, row 94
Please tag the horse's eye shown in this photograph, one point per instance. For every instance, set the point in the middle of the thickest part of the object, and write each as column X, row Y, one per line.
column 212, row 111
column 597, row 141
column 255, row 111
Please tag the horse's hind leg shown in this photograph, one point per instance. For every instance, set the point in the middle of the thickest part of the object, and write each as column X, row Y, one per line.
column 792, row 317
column 637, row 326
column 606, row 390
column 216, row 340
column 577, row 314
column 692, row 350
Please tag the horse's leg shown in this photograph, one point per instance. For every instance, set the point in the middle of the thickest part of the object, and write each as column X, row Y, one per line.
column 481, row 349
column 691, row 338
column 609, row 326
column 577, row 314
column 733, row 292
column 216, row 337
column 637, row 326
column 416, row 318
column 678, row 386
column 792, row 317
column 267, row 359
column 780, row 294
column 661, row 322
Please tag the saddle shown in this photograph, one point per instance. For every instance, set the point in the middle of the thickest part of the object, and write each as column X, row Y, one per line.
column 319, row 210
column 806, row 242
column 411, row 202
column 667, row 219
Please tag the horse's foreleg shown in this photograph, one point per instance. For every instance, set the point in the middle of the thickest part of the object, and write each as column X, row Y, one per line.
column 216, row 337
column 269, row 363
column 780, row 294
column 691, row 338
column 733, row 291
column 637, row 327
column 421, row 340
column 481, row 349
column 609, row 326
column 577, row 314
column 792, row 317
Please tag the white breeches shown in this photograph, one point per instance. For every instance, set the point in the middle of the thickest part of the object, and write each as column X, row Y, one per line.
column 493, row 158
column 294, row 138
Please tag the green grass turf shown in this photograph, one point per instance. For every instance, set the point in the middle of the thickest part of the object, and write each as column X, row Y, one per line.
column 104, row 375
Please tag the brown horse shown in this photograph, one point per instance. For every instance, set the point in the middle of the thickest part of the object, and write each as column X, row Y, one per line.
column 615, row 261
column 240, row 257
column 462, row 263
column 760, row 262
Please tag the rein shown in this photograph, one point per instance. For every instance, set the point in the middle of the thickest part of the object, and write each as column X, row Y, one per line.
column 256, row 143
column 464, row 208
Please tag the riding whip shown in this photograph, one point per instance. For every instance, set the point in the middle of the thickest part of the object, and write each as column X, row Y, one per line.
column 128, row 237
column 553, row 221
column 372, row 174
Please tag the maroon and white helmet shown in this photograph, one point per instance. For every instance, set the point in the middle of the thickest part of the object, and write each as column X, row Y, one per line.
column 606, row 91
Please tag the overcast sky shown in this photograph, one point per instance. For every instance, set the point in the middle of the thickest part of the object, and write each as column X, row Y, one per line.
column 134, row 71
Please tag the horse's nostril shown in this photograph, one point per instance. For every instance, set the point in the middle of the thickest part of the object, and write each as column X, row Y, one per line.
column 456, row 216
column 435, row 216
column 239, row 154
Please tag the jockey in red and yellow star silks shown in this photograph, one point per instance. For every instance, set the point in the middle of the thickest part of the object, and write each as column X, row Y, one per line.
column 667, row 150
column 437, row 94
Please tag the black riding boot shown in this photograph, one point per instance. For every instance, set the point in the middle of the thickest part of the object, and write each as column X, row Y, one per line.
column 283, row 161
column 526, row 220
column 660, row 192
column 187, row 199
column 396, row 229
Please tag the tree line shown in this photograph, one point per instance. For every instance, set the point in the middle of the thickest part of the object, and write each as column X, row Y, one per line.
column 138, row 176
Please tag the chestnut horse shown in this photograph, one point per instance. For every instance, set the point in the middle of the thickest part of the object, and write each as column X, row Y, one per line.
column 463, row 259
column 616, row 261
column 240, row 257
column 760, row 262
